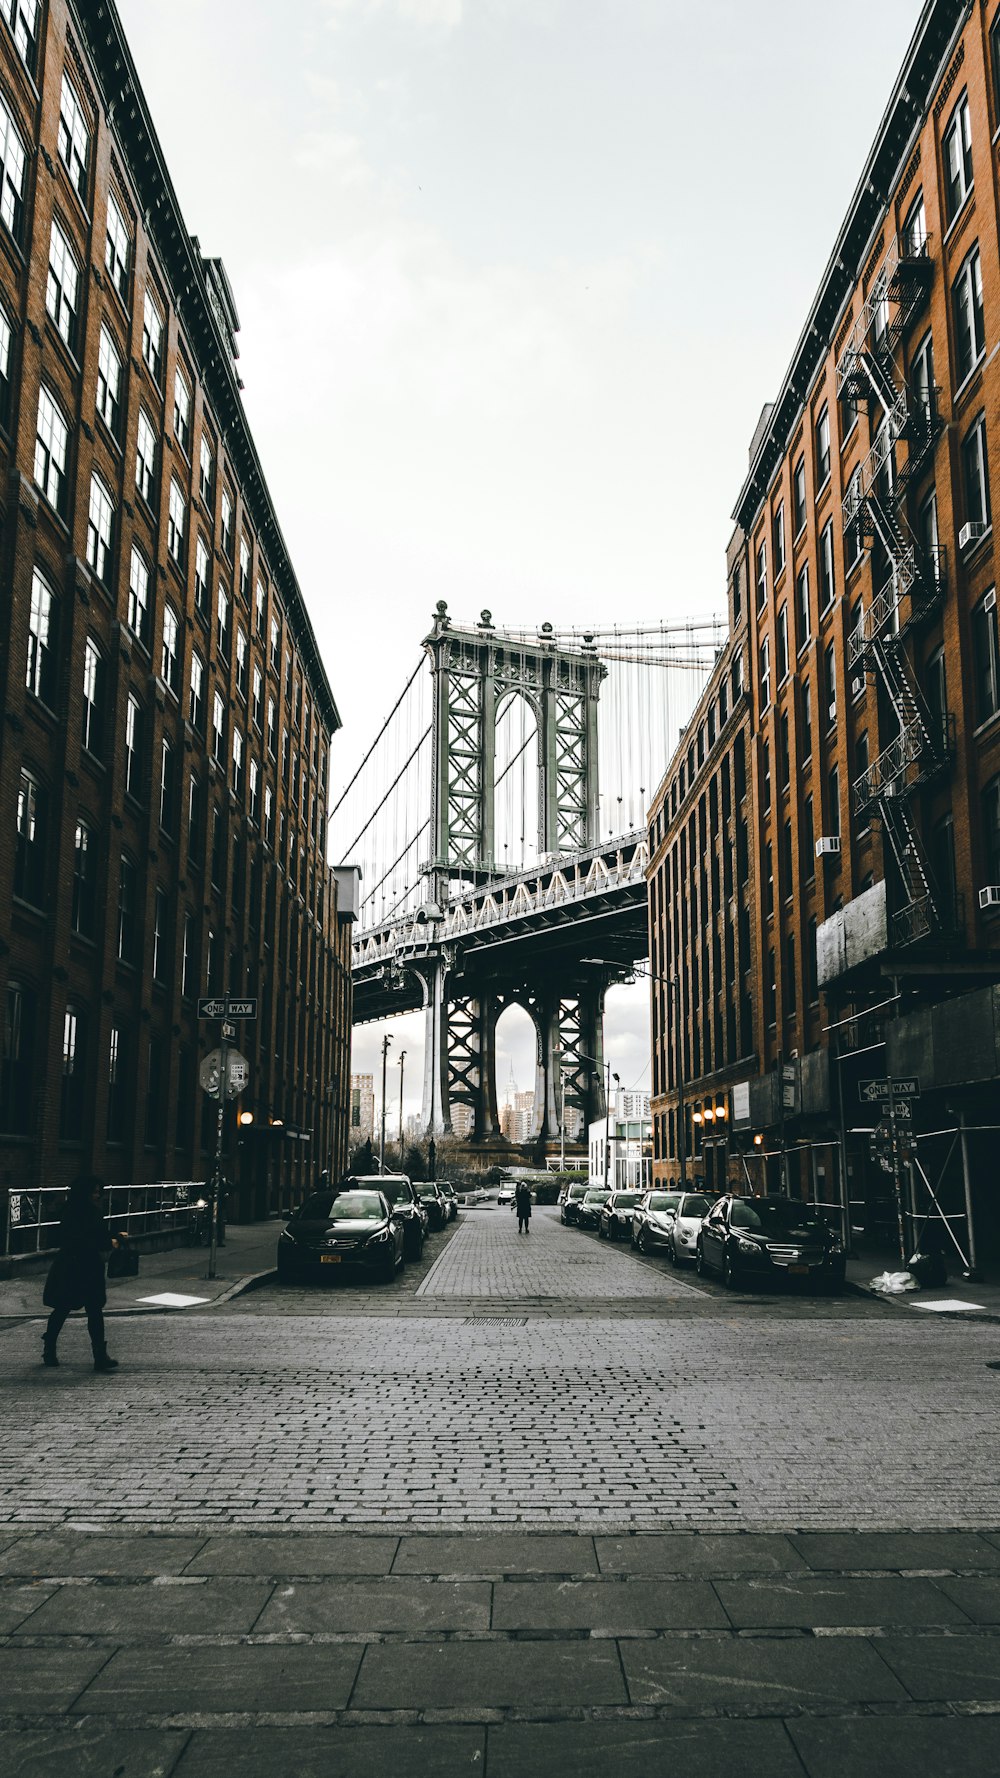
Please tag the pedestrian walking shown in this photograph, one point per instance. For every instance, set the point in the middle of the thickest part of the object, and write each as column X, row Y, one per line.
column 76, row 1276
column 522, row 1204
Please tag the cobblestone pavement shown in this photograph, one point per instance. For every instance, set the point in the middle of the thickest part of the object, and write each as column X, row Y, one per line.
column 488, row 1258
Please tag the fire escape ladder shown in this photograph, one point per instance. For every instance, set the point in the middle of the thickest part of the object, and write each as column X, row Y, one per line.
column 920, row 916
column 907, row 699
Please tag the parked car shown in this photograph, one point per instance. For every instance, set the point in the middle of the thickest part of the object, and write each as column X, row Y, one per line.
column 572, row 1201
column 769, row 1238
column 450, row 1197
column 615, row 1220
column 682, row 1237
column 406, row 1205
column 506, row 1193
column 353, row 1230
column 653, row 1219
column 432, row 1199
column 588, row 1211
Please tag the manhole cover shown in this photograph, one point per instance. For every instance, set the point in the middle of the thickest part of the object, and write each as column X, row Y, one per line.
column 496, row 1321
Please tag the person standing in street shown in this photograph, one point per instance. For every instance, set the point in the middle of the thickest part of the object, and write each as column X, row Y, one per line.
column 76, row 1276
column 522, row 1204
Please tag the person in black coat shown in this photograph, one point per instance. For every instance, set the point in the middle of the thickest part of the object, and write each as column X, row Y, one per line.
column 522, row 1204
column 76, row 1277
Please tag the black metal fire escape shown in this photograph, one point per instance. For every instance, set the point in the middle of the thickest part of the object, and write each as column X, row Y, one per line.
column 905, row 425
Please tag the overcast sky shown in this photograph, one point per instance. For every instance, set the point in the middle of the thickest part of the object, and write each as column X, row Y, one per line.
column 515, row 278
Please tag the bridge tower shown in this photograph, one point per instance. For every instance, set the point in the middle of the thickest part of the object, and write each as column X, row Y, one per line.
column 474, row 670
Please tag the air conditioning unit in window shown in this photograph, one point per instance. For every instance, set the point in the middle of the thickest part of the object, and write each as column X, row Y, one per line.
column 971, row 533
column 832, row 713
column 857, row 685
column 830, row 843
column 990, row 896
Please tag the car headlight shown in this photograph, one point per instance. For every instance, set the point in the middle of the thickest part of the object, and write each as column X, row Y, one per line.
column 747, row 1246
column 379, row 1236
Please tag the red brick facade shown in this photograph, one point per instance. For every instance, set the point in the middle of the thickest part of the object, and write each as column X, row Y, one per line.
column 164, row 700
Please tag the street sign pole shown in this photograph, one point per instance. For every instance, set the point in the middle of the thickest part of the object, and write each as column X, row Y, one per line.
column 217, row 1177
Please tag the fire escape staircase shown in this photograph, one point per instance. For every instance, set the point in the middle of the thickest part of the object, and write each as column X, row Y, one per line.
column 923, row 744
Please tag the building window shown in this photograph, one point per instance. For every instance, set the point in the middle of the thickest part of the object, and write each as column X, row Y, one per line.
column 84, row 881
column 957, row 157
column 784, row 752
column 770, row 992
column 182, row 409
column 779, row 541
column 100, row 526
column 237, row 762
column 261, row 607
column 936, row 691
column 986, row 656
column 51, row 443
column 168, row 785
column 71, row 1084
column 244, row 569
column 62, row 290
column 161, row 935
column 799, row 496
column 258, row 697
column 975, row 474
column 116, row 1085
column 196, row 707
column 145, row 457
column 133, row 747
column 22, row 17
column 833, row 802
column 176, row 521
column 915, row 229
column 991, row 831
column 206, row 477
column 17, row 1076
column 12, row 165
column 218, row 728
column 201, row 576
column 808, row 841
column 93, row 699
column 218, row 848
column 788, row 985
column 942, row 850
column 853, row 539
column 117, row 249
column 802, row 623
column 29, row 853
column 272, row 729
column 782, row 644
column 967, row 310
column 922, row 389
column 222, row 622
column 109, row 383
column 6, row 342
column 127, row 934
column 41, row 676
column 169, row 658
column 275, row 644
column 253, row 780
column 268, row 814
column 152, row 338
column 830, row 683
column 227, row 522
column 196, row 822
column 765, row 675
column 188, row 967
column 241, row 662
column 74, row 138
column 823, row 447
column 807, row 725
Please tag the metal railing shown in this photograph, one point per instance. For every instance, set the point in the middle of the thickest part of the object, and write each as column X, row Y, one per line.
column 32, row 1216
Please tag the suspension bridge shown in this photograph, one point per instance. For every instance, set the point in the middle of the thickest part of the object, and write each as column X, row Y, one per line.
column 498, row 819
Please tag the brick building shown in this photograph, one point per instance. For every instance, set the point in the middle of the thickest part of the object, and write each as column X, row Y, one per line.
column 167, row 718
column 862, row 602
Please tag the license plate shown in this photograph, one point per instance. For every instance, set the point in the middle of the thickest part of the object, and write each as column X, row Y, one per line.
column 801, row 1270
column 333, row 1259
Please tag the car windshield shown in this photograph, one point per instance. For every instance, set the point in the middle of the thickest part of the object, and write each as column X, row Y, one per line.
column 597, row 1196
column 398, row 1191
column 357, row 1207
column 624, row 1199
column 577, row 1191
column 693, row 1205
column 662, row 1200
column 775, row 1216
column 427, row 1191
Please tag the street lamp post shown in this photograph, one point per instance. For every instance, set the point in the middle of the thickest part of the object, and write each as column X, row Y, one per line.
column 402, row 1059
column 562, row 1121
column 381, row 1147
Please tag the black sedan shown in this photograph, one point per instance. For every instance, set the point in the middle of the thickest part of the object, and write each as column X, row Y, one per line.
column 342, row 1231
column 769, row 1239
column 432, row 1199
column 615, row 1220
column 570, row 1206
column 588, row 1210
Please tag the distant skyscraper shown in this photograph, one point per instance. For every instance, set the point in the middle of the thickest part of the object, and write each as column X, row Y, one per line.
column 362, row 1107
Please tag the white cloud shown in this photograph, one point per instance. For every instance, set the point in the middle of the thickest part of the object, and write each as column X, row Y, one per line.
column 436, row 14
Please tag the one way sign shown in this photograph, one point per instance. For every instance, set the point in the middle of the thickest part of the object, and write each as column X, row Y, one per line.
column 231, row 1009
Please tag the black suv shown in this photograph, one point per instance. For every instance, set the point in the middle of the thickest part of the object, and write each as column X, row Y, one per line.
column 432, row 1199
column 404, row 1204
column 770, row 1238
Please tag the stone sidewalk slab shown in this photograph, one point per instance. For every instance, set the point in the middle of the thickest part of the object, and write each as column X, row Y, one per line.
column 977, row 1595
column 90, row 1750
column 616, row 1607
column 417, row 1750
column 46, row 1681
column 484, row 1675
column 288, row 1553
column 77, row 1552
column 939, row 1668
column 512, row 1552
column 898, row 1747
column 18, row 1602
column 193, row 1608
column 395, row 1604
column 898, row 1549
column 698, row 1553
column 187, row 1681
column 830, row 1600
column 632, row 1749
column 779, row 1673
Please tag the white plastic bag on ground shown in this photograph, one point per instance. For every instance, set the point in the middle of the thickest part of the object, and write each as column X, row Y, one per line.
column 894, row 1283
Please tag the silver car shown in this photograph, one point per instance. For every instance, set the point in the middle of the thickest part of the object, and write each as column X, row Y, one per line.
column 682, row 1240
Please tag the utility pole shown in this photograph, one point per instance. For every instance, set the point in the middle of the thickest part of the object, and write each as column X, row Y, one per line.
column 381, row 1147
column 219, row 1131
column 402, row 1059
column 607, row 1120
column 562, row 1121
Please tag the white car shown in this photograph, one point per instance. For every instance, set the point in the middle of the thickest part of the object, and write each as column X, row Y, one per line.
column 506, row 1193
column 682, row 1241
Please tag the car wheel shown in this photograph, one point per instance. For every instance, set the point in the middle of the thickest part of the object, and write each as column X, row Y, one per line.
column 699, row 1261
column 642, row 1241
column 671, row 1250
column 729, row 1274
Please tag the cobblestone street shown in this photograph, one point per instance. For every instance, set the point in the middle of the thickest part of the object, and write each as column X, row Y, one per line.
column 547, row 1506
